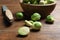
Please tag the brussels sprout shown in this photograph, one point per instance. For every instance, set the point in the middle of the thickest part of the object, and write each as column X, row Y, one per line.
column 28, row 23
column 38, row 1
column 36, row 16
column 50, row 1
column 50, row 19
column 28, row 2
column 19, row 15
column 34, row 1
column 25, row 1
column 43, row 2
column 23, row 31
column 36, row 25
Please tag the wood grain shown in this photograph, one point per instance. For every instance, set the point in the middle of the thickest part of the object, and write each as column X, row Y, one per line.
column 48, row 31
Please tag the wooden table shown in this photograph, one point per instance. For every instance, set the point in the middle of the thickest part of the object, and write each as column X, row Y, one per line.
column 48, row 31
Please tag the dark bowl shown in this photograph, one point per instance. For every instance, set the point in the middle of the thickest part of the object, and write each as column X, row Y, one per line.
column 44, row 10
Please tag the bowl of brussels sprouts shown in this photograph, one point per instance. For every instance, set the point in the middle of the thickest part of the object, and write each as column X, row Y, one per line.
column 43, row 7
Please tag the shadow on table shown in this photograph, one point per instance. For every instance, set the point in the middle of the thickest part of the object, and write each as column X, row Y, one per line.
column 33, row 30
column 21, row 36
column 6, row 22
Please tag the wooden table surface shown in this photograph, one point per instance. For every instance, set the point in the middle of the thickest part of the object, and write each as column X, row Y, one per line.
column 48, row 31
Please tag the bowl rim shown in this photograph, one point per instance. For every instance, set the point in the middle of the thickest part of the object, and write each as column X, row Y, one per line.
column 39, row 5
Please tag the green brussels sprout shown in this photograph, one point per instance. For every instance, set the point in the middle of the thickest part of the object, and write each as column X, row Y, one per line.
column 35, row 17
column 28, row 23
column 19, row 15
column 25, row 1
column 28, row 2
column 34, row 1
column 36, row 25
column 38, row 1
column 50, row 1
column 43, row 2
column 23, row 31
column 50, row 19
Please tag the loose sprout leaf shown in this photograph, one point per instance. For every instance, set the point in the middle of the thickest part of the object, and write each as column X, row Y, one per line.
column 28, row 23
